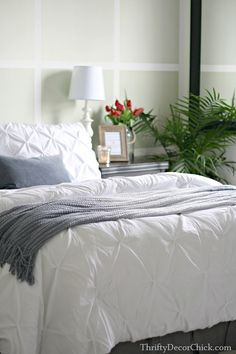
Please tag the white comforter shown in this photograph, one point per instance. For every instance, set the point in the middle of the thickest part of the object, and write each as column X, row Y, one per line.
column 100, row 284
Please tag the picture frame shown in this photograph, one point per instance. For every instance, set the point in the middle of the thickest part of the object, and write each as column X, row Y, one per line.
column 115, row 137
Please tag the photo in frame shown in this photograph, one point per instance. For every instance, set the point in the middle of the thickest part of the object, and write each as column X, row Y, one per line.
column 115, row 137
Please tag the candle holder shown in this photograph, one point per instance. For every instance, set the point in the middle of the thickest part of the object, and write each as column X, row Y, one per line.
column 104, row 154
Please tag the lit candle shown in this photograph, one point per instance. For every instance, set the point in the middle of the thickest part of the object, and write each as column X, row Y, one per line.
column 104, row 154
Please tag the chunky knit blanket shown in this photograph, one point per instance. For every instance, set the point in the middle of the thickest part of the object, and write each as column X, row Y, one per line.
column 25, row 229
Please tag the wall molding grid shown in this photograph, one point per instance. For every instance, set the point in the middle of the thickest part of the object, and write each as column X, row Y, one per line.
column 38, row 65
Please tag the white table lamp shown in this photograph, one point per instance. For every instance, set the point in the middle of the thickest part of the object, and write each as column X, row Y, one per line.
column 87, row 84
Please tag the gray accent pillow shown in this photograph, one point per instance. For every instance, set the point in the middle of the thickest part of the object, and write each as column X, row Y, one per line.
column 20, row 173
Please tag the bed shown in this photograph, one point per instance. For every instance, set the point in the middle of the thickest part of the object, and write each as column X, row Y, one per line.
column 123, row 286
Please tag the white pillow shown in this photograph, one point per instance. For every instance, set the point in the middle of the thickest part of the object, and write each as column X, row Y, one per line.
column 71, row 141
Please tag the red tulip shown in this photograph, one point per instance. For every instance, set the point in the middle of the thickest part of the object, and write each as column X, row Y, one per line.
column 129, row 104
column 138, row 111
column 108, row 109
column 115, row 113
column 117, row 103
column 119, row 106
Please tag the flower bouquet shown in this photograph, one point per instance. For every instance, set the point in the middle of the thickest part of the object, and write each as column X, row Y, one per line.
column 124, row 113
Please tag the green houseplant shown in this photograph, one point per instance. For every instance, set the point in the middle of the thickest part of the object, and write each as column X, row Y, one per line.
column 196, row 134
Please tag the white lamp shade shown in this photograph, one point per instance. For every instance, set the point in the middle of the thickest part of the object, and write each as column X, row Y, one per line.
column 87, row 83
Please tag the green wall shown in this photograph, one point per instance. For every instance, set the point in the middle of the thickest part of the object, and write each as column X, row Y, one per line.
column 219, row 53
column 135, row 41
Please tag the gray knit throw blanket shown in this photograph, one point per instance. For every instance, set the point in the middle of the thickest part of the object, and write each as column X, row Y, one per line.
column 25, row 229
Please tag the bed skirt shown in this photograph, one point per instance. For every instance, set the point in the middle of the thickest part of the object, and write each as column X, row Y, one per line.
column 204, row 341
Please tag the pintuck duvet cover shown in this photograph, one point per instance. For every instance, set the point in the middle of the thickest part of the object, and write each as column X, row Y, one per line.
column 107, row 282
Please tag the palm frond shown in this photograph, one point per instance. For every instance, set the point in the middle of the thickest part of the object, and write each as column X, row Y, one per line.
column 196, row 134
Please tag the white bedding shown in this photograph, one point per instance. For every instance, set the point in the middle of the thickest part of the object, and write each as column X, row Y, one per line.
column 70, row 140
column 100, row 284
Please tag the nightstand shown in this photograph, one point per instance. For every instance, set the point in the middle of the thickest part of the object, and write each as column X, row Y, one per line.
column 133, row 168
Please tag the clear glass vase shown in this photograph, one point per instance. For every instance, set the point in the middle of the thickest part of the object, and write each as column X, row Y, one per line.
column 131, row 137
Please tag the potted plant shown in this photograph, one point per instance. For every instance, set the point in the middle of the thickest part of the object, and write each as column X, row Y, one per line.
column 196, row 134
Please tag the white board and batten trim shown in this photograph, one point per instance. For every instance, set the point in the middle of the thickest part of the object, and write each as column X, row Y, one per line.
column 38, row 65
column 37, row 60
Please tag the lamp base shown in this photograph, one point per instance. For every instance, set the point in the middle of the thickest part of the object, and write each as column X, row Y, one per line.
column 87, row 120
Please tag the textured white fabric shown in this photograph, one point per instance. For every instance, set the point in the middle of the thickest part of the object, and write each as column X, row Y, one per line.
column 71, row 141
column 100, row 284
